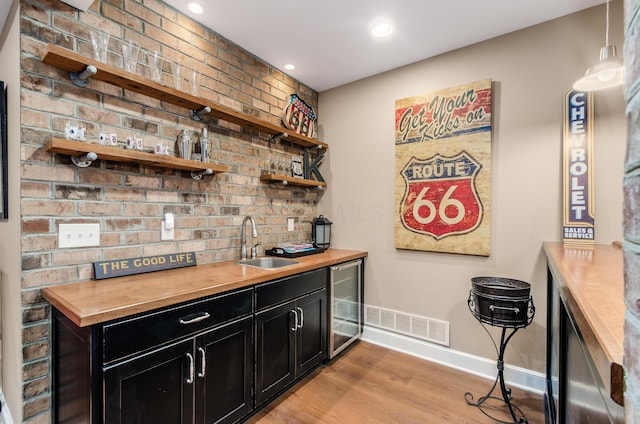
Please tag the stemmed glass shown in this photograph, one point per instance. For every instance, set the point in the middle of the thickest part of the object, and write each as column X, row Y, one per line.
column 282, row 165
column 267, row 165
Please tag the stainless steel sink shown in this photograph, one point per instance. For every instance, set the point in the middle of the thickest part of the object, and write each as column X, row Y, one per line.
column 268, row 262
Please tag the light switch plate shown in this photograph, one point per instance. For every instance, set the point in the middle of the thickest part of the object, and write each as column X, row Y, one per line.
column 78, row 235
column 166, row 234
column 290, row 224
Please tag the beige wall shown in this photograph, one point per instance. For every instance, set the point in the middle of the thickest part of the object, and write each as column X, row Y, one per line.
column 10, row 230
column 532, row 69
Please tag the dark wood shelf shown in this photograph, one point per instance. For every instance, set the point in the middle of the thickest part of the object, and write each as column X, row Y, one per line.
column 73, row 62
column 116, row 154
column 286, row 180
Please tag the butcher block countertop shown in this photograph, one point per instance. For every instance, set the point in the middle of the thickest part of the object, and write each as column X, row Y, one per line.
column 591, row 282
column 92, row 302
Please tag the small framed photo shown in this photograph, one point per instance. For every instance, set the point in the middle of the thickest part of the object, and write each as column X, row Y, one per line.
column 297, row 170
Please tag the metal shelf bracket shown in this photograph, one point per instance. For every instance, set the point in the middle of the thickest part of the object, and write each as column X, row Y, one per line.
column 197, row 175
column 275, row 138
column 196, row 115
column 85, row 160
column 82, row 79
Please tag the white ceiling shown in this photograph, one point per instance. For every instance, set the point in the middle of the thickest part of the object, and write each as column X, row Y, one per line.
column 329, row 41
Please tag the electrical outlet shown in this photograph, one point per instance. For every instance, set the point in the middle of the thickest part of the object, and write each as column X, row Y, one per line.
column 167, row 233
column 290, row 224
column 78, row 235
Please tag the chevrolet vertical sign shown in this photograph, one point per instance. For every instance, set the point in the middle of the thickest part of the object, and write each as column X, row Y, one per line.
column 577, row 169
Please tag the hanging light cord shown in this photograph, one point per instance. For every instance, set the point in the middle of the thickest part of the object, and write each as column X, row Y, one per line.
column 606, row 40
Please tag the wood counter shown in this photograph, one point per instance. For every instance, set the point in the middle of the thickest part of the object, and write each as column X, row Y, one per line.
column 91, row 302
column 591, row 284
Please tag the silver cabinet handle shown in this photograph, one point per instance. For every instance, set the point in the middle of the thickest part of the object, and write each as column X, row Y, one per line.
column 189, row 379
column 301, row 317
column 203, row 363
column 346, row 266
column 295, row 325
column 201, row 317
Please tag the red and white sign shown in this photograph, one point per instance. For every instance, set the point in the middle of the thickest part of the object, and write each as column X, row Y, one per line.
column 299, row 117
column 441, row 198
column 443, row 169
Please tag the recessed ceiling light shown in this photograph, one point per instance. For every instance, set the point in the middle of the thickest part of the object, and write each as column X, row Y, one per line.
column 196, row 8
column 289, row 67
column 382, row 29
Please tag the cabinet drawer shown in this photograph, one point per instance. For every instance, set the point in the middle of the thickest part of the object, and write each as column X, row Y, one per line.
column 126, row 337
column 275, row 292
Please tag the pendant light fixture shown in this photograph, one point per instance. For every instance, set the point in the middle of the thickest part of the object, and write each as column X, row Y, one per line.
column 607, row 73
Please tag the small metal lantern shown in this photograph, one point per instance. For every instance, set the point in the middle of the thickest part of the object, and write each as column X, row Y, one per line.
column 321, row 232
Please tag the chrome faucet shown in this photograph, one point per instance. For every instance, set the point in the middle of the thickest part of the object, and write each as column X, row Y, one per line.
column 243, row 242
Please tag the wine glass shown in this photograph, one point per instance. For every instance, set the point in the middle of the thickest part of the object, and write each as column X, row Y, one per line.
column 282, row 165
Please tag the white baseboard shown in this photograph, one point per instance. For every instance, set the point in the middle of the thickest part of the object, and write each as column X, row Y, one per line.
column 514, row 376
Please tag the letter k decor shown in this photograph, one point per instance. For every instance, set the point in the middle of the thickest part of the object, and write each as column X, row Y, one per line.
column 312, row 167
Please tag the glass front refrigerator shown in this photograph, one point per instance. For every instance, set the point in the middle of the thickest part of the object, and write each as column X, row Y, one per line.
column 345, row 305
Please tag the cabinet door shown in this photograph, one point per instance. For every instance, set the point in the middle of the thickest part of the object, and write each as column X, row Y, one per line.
column 153, row 388
column 311, row 335
column 224, row 365
column 275, row 350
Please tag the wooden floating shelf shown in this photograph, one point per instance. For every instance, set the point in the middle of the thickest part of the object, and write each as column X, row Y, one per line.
column 286, row 180
column 116, row 154
column 76, row 63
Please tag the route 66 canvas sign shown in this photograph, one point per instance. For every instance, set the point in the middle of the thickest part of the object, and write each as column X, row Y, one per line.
column 443, row 169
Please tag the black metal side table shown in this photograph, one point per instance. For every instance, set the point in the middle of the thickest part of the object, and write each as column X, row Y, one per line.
column 504, row 303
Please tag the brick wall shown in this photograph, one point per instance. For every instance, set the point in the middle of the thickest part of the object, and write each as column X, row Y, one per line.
column 632, row 212
column 127, row 200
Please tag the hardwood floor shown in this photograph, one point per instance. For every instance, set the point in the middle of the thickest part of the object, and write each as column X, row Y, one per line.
column 370, row 384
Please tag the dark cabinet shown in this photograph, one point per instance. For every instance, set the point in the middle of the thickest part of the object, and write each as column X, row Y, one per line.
column 575, row 392
column 152, row 388
column 223, row 390
column 207, row 378
column 291, row 330
column 191, row 363
column 213, row 360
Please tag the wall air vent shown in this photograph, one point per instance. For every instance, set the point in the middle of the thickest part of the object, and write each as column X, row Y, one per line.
column 429, row 329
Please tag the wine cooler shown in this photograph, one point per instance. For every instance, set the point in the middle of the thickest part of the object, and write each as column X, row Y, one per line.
column 345, row 305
